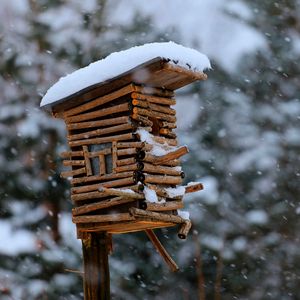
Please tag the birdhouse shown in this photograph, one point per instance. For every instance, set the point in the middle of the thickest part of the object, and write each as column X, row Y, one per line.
column 124, row 155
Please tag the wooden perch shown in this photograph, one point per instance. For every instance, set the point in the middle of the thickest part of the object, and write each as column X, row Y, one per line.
column 161, row 250
column 154, row 216
column 99, row 123
column 99, row 101
column 184, row 229
column 98, row 113
column 121, row 192
column 154, row 99
column 191, row 188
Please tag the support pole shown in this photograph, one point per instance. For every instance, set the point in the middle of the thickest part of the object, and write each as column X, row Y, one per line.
column 96, row 281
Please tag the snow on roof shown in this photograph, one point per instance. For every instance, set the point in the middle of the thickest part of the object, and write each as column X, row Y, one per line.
column 123, row 61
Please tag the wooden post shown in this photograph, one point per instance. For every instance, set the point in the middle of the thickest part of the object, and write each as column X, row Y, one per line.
column 96, row 281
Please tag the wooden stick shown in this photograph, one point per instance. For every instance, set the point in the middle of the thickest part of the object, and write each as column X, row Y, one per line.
column 149, row 168
column 184, row 229
column 158, row 179
column 126, row 151
column 100, row 178
column 69, row 163
column 87, row 196
column 114, row 156
column 167, row 132
column 99, row 123
column 155, row 216
column 191, row 188
column 167, row 206
column 169, row 125
column 127, row 168
column 126, row 161
column 152, row 106
column 153, row 114
column 98, row 113
column 104, row 151
column 151, row 158
column 81, row 210
column 161, row 140
column 121, row 192
column 70, row 154
column 95, row 187
column 107, row 139
column 103, row 218
column 189, row 73
column 154, row 99
column 73, row 172
column 99, row 132
column 161, row 250
column 102, row 165
column 130, row 145
column 99, row 101
column 142, row 120
column 88, row 166
column 171, row 155
column 153, row 91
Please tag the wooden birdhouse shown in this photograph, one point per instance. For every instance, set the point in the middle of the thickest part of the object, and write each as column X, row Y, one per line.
column 124, row 155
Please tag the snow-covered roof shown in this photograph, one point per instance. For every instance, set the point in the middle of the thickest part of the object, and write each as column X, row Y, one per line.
column 121, row 62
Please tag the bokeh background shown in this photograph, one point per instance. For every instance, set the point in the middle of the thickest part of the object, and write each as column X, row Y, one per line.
column 241, row 125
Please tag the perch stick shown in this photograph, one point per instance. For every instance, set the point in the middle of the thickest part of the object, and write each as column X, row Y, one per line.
column 99, row 101
column 171, row 155
column 99, row 123
column 161, row 250
column 98, row 113
column 161, row 192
